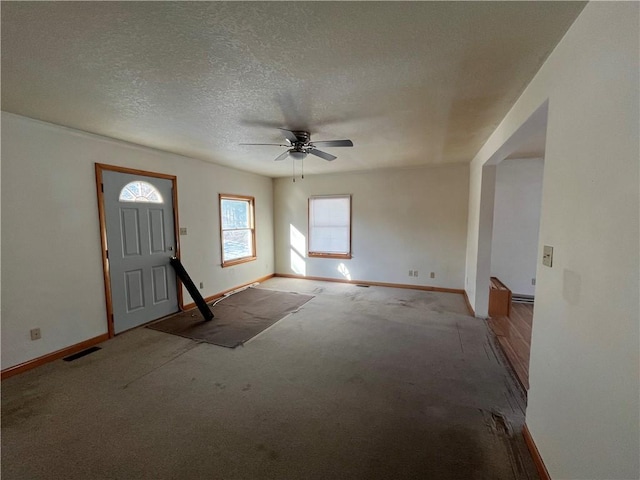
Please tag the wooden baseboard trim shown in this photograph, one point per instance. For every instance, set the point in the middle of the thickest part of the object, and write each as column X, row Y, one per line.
column 50, row 357
column 466, row 299
column 373, row 284
column 535, row 454
column 215, row 296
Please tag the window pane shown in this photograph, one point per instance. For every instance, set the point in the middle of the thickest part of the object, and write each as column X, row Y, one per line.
column 236, row 244
column 140, row 191
column 330, row 211
column 330, row 240
column 235, row 214
column 330, row 225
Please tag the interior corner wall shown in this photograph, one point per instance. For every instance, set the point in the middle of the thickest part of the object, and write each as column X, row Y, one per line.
column 402, row 219
column 52, row 271
column 516, row 223
column 584, row 399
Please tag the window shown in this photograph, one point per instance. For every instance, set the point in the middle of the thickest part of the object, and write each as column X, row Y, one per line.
column 139, row 191
column 330, row 226
column 237, row 229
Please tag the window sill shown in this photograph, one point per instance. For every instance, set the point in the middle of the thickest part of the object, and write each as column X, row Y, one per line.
column 344, row 256
column 238, row 261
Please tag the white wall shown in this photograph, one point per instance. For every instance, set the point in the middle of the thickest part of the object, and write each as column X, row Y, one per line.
column 402, row 219
column 584, row 401
column 516, row 223
column 52, row 271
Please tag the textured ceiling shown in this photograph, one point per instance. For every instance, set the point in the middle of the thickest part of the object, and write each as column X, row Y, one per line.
column 410, row 83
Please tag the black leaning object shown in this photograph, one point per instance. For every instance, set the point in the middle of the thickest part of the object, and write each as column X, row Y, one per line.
column 191, row 288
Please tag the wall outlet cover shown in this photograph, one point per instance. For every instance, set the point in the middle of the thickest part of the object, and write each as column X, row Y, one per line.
column 183, row 230
column 35, row 334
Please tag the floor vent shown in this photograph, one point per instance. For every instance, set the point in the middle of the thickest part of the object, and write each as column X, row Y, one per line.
column 363, row 286
column 81, row 354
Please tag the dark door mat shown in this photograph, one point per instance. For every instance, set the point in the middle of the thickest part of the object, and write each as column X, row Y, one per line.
column 238, row 318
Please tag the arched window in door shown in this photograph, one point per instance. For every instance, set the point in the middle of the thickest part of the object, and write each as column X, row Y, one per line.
column 139, row 191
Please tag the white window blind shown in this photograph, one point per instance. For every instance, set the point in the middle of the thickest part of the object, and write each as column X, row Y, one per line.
column 330, row 225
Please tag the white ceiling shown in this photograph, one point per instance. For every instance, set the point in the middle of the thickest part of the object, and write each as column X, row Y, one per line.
column 410, row 83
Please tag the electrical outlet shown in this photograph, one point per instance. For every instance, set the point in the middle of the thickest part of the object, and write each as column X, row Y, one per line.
column 411, row 273
column 35, row 334
column 201, row 285
column 533, row 281
column 432, row 275
column 183, row 230
column 415, row 273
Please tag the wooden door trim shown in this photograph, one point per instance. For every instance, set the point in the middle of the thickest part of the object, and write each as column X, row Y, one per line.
column 100, row 167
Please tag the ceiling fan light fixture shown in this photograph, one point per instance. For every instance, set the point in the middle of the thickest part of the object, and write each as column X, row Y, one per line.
column 297, row 155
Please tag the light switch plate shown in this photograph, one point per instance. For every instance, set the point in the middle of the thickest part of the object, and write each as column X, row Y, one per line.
column 183, row 230
column 547, row 256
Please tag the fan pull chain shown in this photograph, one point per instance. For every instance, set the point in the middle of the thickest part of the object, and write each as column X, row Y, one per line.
column 293, row 166
column 302, row 166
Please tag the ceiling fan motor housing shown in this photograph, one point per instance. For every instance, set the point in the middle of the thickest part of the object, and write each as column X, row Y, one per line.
column 302, row 136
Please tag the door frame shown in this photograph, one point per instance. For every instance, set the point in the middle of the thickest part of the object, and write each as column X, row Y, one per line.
column 100, row 167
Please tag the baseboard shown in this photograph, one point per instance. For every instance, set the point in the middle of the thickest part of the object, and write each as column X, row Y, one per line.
column 373, row 284
column 50, row 357
column 535, row 454
column 215, row 296
column 466, row 299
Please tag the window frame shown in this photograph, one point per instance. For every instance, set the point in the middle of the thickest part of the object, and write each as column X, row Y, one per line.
column 252, row 228
column 343, row 256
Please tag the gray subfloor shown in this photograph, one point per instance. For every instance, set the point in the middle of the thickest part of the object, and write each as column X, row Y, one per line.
column 360, row 383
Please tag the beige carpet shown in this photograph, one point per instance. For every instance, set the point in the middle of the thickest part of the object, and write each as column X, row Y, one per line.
column 358, row 384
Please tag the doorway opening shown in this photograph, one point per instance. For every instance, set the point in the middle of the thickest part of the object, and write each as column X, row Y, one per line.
column 514, row 182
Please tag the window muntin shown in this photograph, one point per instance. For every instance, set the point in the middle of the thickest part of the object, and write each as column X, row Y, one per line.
column 139, row 191
column 237, row 229
column 330, row 226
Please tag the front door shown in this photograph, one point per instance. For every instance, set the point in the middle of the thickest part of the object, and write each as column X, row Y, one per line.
column 140, row 241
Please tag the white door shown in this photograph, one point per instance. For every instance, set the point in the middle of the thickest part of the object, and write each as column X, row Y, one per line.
column 140, row 241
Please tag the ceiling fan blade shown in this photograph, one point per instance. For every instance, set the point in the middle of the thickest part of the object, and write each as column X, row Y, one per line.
column 333, row 143
column 282, row 156
column 289, row 135
column 321, row 154
column 272, row 144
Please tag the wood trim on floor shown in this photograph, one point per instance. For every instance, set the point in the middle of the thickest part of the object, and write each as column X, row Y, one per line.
column 373, row 284
column 466, row 299
column 50, row 357
column 535, row 454
column 215, row 296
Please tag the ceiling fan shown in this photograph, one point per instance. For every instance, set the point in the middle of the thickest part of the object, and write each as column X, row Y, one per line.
column 300, row 145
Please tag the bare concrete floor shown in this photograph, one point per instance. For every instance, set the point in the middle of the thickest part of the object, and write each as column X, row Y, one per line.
column 360, row 383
